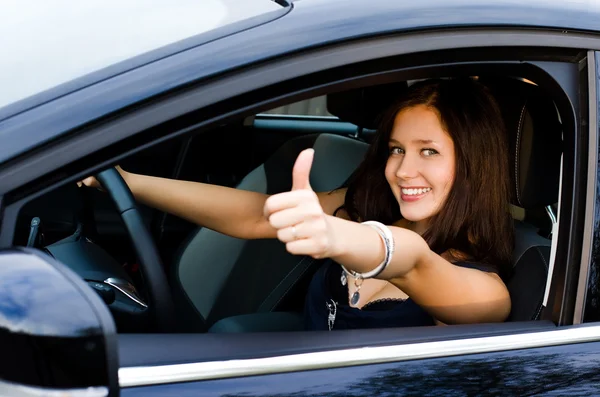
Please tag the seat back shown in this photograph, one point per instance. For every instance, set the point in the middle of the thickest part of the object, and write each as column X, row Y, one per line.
column 530, row 270
column 535, row 139
column 218, row 276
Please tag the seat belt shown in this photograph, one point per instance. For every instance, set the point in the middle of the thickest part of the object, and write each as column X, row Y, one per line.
column 285, row 285
column 554, row 240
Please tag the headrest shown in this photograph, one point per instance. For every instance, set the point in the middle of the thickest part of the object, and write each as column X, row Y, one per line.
column 336, row 158
column 364, row 106
column 535, row 138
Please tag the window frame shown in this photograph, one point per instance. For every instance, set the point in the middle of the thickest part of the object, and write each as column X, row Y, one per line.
column 587, row 305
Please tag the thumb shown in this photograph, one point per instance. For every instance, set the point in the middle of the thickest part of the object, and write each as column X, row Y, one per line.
column 301, row 171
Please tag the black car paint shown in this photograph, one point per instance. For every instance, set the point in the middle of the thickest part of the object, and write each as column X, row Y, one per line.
column 310, row 24
column 570, row 369
column 564, row 370
column 49, row 337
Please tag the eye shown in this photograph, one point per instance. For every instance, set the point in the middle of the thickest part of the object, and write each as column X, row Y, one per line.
column 396, row 150
column 429, row 152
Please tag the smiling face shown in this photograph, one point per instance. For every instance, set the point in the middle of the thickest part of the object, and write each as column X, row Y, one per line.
column 421, row 165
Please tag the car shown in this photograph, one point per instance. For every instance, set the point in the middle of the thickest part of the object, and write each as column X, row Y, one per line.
column 104, row 296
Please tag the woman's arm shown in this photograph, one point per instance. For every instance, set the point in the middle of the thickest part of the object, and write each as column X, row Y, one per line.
column 237, row 213
column 450, row 293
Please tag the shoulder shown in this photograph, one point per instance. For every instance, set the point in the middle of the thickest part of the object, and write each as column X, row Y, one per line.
column 457, row 291
column 461, row 259
column 484, row 267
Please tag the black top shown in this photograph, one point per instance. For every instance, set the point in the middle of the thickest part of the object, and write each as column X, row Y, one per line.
column 327, row 305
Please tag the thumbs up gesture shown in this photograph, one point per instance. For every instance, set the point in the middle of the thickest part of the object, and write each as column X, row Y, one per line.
column 297, row 215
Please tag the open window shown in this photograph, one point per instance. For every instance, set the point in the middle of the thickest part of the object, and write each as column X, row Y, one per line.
column 229, row 285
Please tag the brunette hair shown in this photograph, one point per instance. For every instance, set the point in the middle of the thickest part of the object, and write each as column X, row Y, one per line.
column 475, row 223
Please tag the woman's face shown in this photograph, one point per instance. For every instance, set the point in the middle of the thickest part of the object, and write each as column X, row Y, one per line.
column 421, row 164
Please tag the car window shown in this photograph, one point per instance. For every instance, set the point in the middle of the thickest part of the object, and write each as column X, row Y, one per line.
column 316, row 107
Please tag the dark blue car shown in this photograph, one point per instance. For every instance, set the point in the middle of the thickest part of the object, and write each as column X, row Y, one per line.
column 102, row 296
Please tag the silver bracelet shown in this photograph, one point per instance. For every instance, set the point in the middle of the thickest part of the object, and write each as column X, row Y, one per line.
column 388, row 241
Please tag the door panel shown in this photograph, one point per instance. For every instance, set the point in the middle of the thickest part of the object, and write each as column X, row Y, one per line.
column 559, row 370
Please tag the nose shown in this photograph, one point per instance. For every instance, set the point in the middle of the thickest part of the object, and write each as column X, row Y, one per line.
column 407, row 167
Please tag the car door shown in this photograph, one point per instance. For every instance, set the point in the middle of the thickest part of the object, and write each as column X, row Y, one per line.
column 536, row 358
column 444, row 360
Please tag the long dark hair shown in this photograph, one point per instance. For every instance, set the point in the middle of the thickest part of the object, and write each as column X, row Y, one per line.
column 475, row 223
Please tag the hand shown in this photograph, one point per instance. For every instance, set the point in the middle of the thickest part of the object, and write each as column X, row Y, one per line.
column 298, row 216
column 90, row 181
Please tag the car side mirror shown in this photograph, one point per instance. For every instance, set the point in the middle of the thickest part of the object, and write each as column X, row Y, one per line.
column 57, row 337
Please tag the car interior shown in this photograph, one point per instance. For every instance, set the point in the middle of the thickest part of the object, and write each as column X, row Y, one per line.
column 221, row 284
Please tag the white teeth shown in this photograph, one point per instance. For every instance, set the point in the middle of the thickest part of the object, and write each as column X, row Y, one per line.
column 412, row 192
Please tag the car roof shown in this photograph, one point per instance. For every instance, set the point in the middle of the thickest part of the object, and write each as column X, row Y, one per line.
column 53, row 42
column 62, row 40
column 572, row 14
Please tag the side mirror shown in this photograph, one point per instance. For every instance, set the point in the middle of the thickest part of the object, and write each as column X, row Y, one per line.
column 56, row 335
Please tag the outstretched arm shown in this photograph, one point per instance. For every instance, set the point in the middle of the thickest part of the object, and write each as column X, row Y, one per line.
column 237, row 213
column 450, row 293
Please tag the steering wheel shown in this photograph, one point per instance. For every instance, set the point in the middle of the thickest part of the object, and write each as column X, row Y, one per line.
column 161, row 305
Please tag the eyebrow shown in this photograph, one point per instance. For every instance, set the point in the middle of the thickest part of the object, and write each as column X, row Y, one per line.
column 421, row 141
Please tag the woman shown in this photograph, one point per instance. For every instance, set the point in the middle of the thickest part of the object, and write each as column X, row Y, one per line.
column 434, row 188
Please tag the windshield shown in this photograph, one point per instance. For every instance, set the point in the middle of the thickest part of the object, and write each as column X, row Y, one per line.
column 47, row 43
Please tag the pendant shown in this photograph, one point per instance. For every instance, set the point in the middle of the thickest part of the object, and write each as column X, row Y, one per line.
column 355, row 298
column 332, row 308
column 344, row 279
column 356, row 295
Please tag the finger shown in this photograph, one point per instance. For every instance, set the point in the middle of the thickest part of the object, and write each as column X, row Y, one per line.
column 89, row 181
column 292, row 216
column 301, row 170
column 282, row 201
column 308, row 229
column 306, row 247
column 291, row 233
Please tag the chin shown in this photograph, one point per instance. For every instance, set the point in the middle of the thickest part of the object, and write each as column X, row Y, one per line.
column 414, row 219
column 414, row 215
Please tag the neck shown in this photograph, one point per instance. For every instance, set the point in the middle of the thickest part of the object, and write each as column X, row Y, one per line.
column 418, row 227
